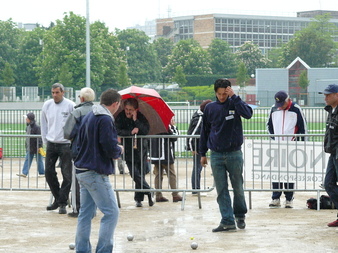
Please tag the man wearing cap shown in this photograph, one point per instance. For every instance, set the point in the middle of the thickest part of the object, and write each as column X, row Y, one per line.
column 286, row 117
column 54, row 114
column 32, row 147
column 331, row 145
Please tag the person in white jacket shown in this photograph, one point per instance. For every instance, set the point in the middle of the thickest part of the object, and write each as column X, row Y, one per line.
column 53, row 118
column 286, row 117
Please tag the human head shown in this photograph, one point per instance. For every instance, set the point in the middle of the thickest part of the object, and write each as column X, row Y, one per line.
column 222, row 88
column 281, row 97
column 29, row 117
column 204, row 103
column 57, row 92
column 111, row 100
column 130, row 106
column 87, row 94
column 331, row 95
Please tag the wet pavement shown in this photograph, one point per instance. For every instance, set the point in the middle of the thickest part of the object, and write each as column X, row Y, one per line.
column 26, row 226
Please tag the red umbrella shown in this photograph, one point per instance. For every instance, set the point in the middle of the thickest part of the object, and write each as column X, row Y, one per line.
column 152, row 106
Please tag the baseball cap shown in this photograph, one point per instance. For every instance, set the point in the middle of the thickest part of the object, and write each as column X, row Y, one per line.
column 332, row 88
column 280, row 98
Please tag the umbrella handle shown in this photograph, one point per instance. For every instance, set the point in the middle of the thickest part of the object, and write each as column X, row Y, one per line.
column 135, row 142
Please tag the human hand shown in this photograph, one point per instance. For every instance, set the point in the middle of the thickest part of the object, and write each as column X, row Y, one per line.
column 134, row 131
column 229, row 91
column 122, row 148
column 204, row 161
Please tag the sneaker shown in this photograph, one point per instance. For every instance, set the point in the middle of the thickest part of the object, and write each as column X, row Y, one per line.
column 62, row 210
column 41, row 175
column 138, row 204
column 21, row 175
column 289, row 204
column 275, row 203
column 333, row 224
column 240, row 223
column 224, row 228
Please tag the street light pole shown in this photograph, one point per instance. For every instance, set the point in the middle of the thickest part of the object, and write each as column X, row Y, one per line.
column 87, row 47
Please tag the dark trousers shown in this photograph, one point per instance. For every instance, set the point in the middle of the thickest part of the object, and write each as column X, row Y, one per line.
column 138, row 176
column 62, row 151
column 330, row 181
column 288, row 195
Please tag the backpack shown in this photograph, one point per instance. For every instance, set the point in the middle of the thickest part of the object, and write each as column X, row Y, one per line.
column 325, row 203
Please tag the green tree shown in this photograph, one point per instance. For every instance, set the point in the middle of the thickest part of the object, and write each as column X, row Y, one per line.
column 163, row 48
column 65, row 77
column 242, row 76
column 179, row 76
column 142, row 61
column 313, row 44
column 303, row 81
column 7, row 75
column 222, row 59
column 122, row 78
column 252, row 57
column 191, row 56
column 274, row 55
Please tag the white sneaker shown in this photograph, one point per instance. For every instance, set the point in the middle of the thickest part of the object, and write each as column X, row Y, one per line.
column 21, row 175
column 275, row 203
column 288, row 204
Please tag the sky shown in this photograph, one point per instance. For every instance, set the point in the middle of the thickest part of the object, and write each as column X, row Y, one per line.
column 126, row 13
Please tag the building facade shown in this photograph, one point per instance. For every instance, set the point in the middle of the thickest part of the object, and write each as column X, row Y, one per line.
column 265, row 31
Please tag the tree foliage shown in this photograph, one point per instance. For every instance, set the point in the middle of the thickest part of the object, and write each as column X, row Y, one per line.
column 242, row 75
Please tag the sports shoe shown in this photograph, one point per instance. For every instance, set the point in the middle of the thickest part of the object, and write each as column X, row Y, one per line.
column 161, row 199
column 240, row 223
column 62, row 210
column 224, row 228
column 41, row 175
column 138, row 204
column 289, row 204
column 333, row 224
column 21, row 175
column 275, row 203
column 73, row 214
column 177, row 198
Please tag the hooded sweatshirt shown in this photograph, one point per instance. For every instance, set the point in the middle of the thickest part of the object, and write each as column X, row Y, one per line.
column 97, row 142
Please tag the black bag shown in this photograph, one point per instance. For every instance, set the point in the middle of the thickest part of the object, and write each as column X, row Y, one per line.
column 325, row 203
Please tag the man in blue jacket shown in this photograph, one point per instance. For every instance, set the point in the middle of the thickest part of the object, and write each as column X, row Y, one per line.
column 97, row 148
column 222, row 133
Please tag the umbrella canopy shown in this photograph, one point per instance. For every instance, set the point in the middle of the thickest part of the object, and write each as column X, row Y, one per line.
column 152, row 106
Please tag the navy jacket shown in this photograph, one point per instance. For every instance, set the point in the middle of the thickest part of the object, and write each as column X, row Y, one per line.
column 97, row 142
column 222, row 125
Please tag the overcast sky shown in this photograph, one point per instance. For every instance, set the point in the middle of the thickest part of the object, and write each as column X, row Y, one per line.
column 126, row 13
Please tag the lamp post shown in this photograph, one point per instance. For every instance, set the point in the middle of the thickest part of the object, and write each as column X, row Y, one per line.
column 87, row 47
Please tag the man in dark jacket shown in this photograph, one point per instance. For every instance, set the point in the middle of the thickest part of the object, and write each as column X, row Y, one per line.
column 32, row 147
column 97, row 148
column 193, row 144
column 131, row 122
column 222, row 133
column 163, row 157
column 70, row 131
column 331, row 145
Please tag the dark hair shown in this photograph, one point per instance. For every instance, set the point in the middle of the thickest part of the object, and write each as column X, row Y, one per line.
column 204, row 103
column 109, row 97
column 221, row 83
column 131, row 101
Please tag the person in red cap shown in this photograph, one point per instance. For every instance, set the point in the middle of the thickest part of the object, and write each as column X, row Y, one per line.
column 331, row 145
column 32, row 147
column 286, row 117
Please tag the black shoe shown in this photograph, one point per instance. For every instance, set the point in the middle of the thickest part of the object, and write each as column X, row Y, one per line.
column 73, row 215
column 240, row 223
column 53, row 206
column 150, row 198
column 139, row 204
column 62, row 210
column 224, row 228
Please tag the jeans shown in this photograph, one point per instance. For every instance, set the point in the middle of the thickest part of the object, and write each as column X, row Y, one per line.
column 28, row 162
column 331, row 177
column 222, row 164
column 279, row 185
column 196, row 172
column 96, row 191
column 54, row 151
